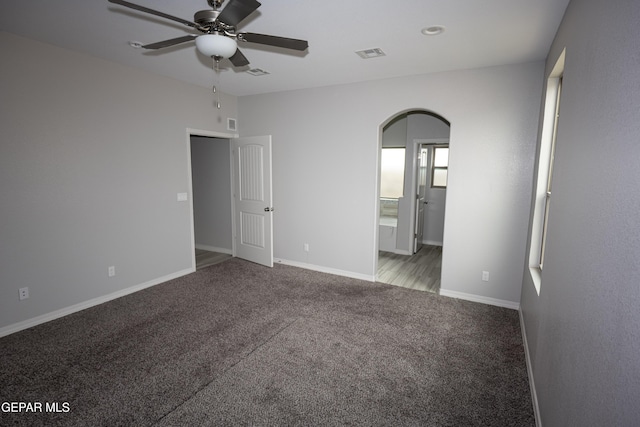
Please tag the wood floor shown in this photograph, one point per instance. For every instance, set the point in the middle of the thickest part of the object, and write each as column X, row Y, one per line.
column 207, row 258
column 419, row 271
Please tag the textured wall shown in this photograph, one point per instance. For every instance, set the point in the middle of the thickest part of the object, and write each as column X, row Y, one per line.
column 325, row 149
column 92, row 157
column 582, row 330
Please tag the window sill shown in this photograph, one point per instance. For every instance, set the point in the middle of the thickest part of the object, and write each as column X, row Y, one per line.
column 536, row 277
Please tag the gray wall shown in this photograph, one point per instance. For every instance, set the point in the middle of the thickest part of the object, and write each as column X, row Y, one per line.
column 211, row 187
column 425, row 126
column 92, row 157
column 582, row 331
column 395, row 133
column 326, row 145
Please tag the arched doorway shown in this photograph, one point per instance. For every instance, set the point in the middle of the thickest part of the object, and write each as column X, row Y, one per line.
column 414, row 148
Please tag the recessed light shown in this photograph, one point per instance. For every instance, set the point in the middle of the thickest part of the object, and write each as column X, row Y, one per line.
column 135, row 45
column 433, row 30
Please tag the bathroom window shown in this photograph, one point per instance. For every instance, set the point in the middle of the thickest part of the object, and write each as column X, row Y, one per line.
column 392, row 173
column 439, row 167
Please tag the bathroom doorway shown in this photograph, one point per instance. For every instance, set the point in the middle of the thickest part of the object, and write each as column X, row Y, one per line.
column 411, row 218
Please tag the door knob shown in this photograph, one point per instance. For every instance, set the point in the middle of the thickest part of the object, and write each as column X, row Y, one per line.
column 268, row 209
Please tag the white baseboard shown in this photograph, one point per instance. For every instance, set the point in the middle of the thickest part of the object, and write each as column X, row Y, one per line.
column 214, row 249
column 432, row 243
column 453, row 294
column 321, row 269
column 25, row 324
column 532, row 384
column 479, row 298
column 402, row 252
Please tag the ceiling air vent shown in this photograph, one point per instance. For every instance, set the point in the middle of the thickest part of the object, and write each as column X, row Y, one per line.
column 370, row 53
column 257, row 72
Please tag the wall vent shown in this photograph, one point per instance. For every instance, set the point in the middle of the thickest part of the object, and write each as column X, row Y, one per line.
column 231, row 124
column 370, row 53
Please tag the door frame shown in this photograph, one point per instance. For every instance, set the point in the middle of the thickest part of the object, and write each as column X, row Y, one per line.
column 212, row 134
column 417, row 143
column 431, row 142
column 419, row 204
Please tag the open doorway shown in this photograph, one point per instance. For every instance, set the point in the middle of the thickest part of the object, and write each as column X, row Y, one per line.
column 232, row 205
column 411, row 217
column 211, row 197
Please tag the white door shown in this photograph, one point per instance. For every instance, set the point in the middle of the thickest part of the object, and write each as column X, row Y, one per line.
column 420, row 197
column 435, row 197
column 253, row 209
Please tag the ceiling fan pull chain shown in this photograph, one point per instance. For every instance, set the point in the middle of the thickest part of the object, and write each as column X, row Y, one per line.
column 216, row 69
column 215, row 73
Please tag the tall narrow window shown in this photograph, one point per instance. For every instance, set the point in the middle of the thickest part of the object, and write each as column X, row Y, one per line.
column 546, row 161
column 545, row 220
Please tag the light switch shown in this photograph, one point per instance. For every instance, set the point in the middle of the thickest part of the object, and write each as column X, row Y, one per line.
column 182, row 197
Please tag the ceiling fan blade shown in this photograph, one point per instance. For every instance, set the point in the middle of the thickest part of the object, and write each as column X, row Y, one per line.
column 238, row 59
column 237, row 10
column 285, row 42
column 171, row 42
column 153, row 12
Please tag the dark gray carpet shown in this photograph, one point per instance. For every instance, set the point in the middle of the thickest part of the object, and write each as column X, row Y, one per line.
column 241, row 344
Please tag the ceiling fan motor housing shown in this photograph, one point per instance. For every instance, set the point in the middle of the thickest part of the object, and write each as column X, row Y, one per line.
column 215, row 3
column 206, row 18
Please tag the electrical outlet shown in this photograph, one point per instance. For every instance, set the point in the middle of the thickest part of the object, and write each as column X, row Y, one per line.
column 306, row 247
column 111, row 271
column 485, row 276
column 24, row 293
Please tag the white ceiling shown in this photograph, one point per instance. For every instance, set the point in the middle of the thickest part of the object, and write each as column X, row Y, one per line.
column 479, row 33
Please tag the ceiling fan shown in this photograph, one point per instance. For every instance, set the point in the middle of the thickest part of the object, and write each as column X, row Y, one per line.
column 219, row 38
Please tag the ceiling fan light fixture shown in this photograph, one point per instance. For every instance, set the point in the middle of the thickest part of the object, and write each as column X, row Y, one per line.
column 216, row 45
